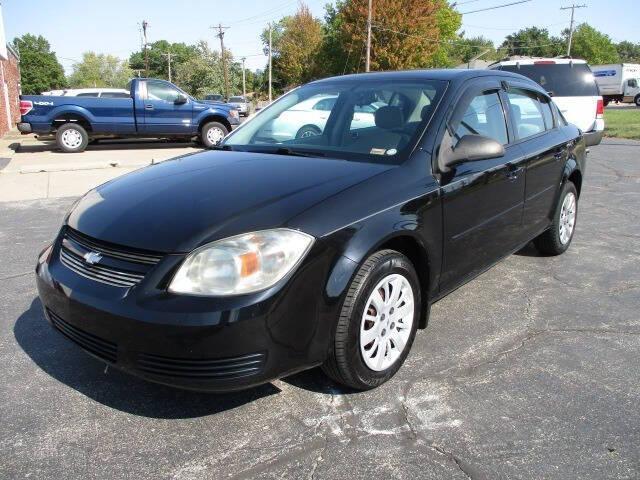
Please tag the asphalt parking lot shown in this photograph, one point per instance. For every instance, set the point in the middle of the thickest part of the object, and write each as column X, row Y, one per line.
column 530, row 371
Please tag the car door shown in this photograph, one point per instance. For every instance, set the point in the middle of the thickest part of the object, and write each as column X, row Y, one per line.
column 164, row 113
column 482, row 200
column 545, row 150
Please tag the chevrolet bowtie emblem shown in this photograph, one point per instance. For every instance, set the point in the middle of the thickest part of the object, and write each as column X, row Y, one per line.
column 92, row 257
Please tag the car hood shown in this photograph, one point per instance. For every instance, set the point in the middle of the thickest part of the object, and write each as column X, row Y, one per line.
column 178, row 205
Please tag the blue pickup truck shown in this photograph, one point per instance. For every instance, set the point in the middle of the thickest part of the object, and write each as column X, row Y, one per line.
column 155, row 109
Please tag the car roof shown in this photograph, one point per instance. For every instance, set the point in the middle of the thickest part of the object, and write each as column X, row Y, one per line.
column 426, row 74
column 533, row 60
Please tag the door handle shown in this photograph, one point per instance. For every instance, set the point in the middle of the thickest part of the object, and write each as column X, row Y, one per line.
column 148, row 107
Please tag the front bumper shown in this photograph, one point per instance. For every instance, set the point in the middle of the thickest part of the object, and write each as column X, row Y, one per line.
column 190, row 342
column 24, row 127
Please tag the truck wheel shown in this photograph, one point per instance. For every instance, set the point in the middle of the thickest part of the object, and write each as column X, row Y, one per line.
column 213, row 133
column 637, row 101
column 72, row 138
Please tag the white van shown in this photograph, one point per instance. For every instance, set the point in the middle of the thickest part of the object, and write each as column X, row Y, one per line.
column 571, row 84
column 618, row 82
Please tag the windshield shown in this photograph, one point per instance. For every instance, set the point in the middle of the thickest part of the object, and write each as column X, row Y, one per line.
column 236, row 100
column 378, row 121
column 560, row 79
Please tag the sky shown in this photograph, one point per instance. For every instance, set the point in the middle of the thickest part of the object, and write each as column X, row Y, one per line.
column 75, row 26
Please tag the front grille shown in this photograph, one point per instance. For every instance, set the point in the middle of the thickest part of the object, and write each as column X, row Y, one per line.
column 220, row 368
column 118, row 266
column 98, row 346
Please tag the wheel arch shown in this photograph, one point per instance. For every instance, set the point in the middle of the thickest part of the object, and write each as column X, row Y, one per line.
column 214, row 118
column 71, row 117
column 572, row 174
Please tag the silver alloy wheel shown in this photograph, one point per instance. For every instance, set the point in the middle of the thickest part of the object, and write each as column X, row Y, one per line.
column 567, row 218
column 215, row 135
column 309, row 133
column 71, row 138
column 386, row 322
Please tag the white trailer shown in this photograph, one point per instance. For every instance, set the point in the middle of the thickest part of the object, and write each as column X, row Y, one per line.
column 618, row 82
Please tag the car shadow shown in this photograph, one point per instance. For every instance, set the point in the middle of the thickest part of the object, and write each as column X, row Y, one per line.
column 529, row 250
column 105, row 145
column 68, row 364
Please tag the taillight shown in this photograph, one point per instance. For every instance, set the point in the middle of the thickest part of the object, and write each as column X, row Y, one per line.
column 25, row 106
column 600, row 108
column 544, row 62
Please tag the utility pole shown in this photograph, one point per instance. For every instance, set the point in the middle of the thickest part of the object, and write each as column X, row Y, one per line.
column 223, row 56
column 168, row 55
column 244, row 85
column 270, row 40
column 367, row 64
column 145, row 25
column 573, row 9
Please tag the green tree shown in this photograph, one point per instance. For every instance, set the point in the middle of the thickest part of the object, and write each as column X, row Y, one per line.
column 202, row 73
column 593, row 46
column 533, row 42
column 296, row 44
column 39, row 67
column 629, row 52
column 465, row 49
column 158, row 61
column 100, row 70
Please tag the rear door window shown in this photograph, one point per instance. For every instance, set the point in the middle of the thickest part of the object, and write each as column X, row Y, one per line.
column 560, row 79
column 548, row 114
column 526, row 111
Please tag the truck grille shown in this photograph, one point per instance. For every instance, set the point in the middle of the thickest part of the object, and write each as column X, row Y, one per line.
column 117, row 266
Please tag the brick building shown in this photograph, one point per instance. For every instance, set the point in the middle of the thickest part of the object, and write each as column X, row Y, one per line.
column 9, row 91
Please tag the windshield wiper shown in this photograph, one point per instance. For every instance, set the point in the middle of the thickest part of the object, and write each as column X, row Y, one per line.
column 295, row 153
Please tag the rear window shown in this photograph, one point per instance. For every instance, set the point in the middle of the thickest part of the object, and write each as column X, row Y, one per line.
column 560, row 79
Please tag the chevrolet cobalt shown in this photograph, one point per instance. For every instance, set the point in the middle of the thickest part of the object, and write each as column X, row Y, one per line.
column 275, row 253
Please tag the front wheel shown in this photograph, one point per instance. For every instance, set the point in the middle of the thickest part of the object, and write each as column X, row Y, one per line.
column 557, row 238
column 72, row 138
column 377, row 323
column 212, row 134
column 637, row 101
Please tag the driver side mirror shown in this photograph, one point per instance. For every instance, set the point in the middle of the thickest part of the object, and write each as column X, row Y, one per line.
column 181, row 99
column 472, row 148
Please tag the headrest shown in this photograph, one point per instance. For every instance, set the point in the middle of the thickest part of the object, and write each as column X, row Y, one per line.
column 389, row 117
column 424, row 113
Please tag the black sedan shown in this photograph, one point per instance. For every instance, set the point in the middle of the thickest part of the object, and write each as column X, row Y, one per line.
column 278, row 252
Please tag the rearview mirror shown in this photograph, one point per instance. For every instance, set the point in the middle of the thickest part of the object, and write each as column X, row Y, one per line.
column 181, row 99
column 471, row 148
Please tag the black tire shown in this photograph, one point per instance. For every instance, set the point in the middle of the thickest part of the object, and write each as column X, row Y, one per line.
column 637, row 101
column 605, row 102
column 549, row 243
column 308, row 131
column 345, row 363
column 204, row 133
column 77, row 133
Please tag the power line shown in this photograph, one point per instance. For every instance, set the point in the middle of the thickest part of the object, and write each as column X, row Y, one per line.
column 495, row 7
column 262, row 14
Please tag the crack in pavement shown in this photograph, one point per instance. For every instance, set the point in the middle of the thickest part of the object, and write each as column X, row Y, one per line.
column 16, row 275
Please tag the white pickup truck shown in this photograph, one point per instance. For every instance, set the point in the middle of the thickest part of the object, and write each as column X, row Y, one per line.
column 618, row 82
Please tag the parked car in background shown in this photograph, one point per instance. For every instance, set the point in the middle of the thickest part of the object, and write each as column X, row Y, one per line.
column 618, row 82
column 308, row 118
column 571, row 84
column 231, row 268
column 241, row 104
column 98, row 92
column 213, row 97
column 152, row 108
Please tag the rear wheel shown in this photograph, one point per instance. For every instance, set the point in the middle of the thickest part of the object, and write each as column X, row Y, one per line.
column 557, row 238
column 377, row 323
column 637, row 101
column 212, row 134
column 308, row 131
column 72, row 138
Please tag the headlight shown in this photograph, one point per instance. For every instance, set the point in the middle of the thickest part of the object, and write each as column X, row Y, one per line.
column 234, row 113
column 242, row 264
